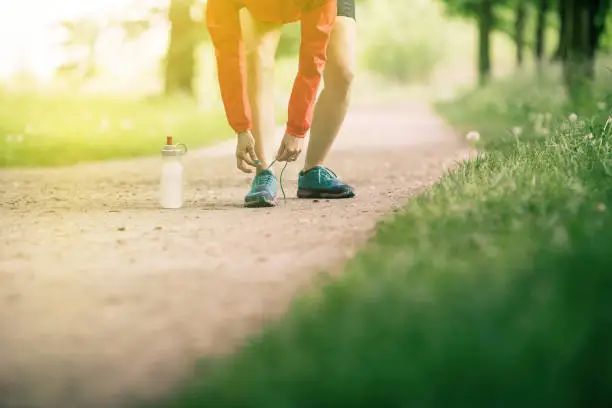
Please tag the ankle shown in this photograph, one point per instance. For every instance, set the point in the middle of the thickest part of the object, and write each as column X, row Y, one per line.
column 310, row 166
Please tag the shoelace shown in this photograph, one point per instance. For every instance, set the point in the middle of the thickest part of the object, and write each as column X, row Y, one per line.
column 328, row 174
column 280, row 181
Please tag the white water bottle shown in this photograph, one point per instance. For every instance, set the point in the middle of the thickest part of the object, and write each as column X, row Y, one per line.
column 171, row 186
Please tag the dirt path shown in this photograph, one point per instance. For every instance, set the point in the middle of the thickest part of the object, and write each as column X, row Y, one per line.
column 103, row 295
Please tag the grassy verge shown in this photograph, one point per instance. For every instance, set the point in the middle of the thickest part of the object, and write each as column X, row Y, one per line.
column 493, row 289
column 49, row 130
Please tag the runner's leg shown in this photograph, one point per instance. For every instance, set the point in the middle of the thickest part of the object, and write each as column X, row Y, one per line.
column 261, row 41
column 333, row 103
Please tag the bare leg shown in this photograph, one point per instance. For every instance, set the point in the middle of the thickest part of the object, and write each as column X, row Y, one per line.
column 261, row 41
column 333, row 103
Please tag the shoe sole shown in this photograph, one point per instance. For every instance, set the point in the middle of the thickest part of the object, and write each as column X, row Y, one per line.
column 324, row 195
column 260, row 202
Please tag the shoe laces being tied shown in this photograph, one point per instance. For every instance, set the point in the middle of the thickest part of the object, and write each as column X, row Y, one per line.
column 269, row 176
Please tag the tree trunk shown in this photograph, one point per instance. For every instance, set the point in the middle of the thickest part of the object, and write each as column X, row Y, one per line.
column 598, row 10
column 541, row 25
column 563, row 8
column 519, row 31
column 180, row 60
column 485, row 23
column 579, row 66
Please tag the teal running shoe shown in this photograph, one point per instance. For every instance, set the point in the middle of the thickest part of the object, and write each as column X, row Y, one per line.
column 263, row 191
column 321, row 182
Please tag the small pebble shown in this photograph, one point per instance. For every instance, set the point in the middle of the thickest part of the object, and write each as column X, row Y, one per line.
column 121, row 229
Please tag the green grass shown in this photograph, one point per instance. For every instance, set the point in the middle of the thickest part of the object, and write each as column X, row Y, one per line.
column 493, row 289
column 51, row 130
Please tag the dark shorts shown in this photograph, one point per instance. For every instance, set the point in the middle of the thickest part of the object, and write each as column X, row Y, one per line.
column 346, row 8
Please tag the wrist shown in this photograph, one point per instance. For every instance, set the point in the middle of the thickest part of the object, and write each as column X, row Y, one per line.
column 291, row 132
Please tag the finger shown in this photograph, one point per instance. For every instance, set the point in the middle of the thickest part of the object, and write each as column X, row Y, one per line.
column 244, row 156
column 253, row 156
column 242, row 166
column 280, row 153
column 248, row 160
column 286, row 155
column 293, row 155
column 297, row 155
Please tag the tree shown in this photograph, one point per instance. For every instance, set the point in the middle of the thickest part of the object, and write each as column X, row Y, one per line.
column 485, row 27
column 561, row 52
column 541, row 24
column 180, row 60
column 519, row 30
column 599, row 12
column 584, row 25
column 188, row 30
column 483, row 11
column 595, row 19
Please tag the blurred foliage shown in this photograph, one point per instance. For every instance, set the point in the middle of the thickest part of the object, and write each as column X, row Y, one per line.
column 581, row 32
column 402, row 43
column 79, row 45
column 289, row 44
column 606, row 38
column 397, row 41
column 188, row 30
column 53, row 130
column 82, row 35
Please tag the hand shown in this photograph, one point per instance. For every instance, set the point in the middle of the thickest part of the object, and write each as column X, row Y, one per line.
column 290, row 148
column 245, row 152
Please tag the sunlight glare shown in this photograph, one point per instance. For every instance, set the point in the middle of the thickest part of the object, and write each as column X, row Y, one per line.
column 31, row 40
